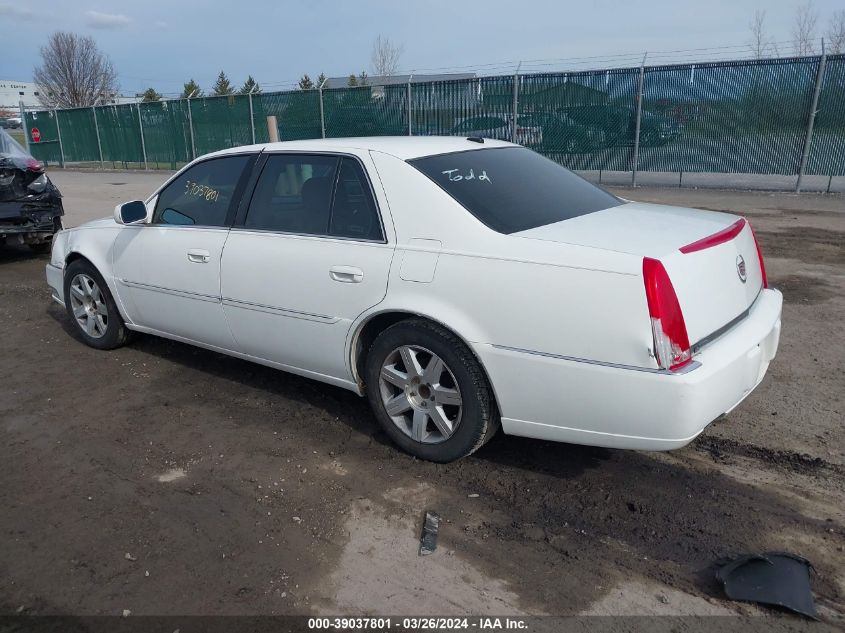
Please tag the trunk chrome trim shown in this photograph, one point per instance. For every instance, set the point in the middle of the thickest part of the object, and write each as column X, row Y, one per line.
column 684, row 370
column 703, row 342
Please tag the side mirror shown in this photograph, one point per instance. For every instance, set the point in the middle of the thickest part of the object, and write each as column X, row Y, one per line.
column 134, row 212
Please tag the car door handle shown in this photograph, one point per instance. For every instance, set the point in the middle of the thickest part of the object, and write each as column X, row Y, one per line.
column 346, row 274
column 198, row 256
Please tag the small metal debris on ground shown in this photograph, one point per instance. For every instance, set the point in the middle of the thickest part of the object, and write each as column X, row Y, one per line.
column 129, row 556
column 428, row 541
column 474, row 495
column 774, row 578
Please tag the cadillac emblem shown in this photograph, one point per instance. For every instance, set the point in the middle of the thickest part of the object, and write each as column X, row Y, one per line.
column 740, row 269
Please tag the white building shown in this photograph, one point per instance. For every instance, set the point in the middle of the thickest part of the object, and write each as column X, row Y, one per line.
column 13, row 92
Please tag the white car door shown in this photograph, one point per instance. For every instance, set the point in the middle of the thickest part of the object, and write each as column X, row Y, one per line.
column 168, row 271
column 304, row 259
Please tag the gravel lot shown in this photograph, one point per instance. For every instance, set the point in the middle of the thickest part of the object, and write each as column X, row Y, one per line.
column 165, row 479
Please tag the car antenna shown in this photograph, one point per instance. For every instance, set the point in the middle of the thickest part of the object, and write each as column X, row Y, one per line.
column 475, row 139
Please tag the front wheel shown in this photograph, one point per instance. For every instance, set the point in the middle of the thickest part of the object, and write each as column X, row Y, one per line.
column 91, row 307
column 429, row 392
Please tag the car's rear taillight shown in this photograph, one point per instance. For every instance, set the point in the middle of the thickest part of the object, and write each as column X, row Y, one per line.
column 760, row 257
column 671, row 343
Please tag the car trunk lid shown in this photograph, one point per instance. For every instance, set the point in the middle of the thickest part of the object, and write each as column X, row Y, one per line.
column 710, row 257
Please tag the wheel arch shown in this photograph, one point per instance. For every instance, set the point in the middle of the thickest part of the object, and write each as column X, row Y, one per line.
column 366, row 331
column 74, row 255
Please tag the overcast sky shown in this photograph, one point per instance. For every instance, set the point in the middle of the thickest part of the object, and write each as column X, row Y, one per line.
column 162, row 43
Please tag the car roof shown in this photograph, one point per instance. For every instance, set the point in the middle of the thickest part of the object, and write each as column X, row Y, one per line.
column 403, row 147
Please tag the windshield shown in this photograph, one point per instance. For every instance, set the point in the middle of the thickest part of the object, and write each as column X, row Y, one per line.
column 512, row 189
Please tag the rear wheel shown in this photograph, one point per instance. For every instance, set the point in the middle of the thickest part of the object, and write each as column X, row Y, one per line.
column 91, row 307
column 428, row 392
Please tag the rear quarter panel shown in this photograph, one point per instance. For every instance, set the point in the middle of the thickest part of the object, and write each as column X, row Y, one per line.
column 511, row 291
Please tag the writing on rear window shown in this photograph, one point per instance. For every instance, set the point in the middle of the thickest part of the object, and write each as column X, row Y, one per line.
column 528, row 190
column 455, row 175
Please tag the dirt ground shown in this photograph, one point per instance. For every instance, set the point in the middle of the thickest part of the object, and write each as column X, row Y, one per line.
column 165, row 479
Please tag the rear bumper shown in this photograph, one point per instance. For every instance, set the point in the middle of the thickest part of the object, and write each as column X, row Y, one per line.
column 23, row 218
column 567, row 400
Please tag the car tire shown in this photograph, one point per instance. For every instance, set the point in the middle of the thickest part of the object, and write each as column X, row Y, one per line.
column 91, row 307
column 435, row 413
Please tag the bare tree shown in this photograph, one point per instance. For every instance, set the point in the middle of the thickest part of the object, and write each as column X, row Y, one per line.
column 804, row 29
column 759, row 42
column 74, row 72
column 385, row 57
column 835, row 41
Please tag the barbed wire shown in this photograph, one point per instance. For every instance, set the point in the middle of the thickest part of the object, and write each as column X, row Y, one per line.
column 731, row 52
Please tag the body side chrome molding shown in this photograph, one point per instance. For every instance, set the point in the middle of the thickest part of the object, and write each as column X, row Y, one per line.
column 169, row 291
column 320, row 318
column 684, row 370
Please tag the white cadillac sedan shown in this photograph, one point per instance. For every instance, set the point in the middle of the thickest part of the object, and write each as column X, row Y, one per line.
column 459, row 283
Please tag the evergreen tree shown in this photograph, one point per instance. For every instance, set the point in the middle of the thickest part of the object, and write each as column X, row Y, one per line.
column 191, row 87
column 305, row 83
column 222, row 86
column 250, row 85
column 150, row 95
column 362, row 79
column 321, row 79
column 353, row 81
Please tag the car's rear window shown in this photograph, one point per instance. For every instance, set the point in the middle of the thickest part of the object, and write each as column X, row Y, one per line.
column 512, row 189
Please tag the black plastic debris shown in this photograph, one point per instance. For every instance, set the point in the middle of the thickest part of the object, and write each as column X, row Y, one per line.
column 428, row 541
column 775, row 578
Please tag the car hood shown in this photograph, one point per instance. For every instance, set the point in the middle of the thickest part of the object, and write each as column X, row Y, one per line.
column 93, row 224
column 637, row 228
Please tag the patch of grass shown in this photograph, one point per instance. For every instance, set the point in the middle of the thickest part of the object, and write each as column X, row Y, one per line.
column 18, row 136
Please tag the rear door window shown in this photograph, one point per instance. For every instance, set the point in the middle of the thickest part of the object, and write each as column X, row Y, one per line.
column 354, row 213
column 294, row 194
column 512, row 189
column 314, row 194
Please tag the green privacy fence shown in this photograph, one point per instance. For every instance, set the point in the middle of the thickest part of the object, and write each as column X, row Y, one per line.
column 751, row 116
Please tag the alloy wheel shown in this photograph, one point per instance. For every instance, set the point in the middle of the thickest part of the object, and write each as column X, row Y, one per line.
column 420, row 394
column 89, row 306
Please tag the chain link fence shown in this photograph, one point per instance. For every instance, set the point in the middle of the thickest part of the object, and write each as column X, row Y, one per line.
column 775, row 116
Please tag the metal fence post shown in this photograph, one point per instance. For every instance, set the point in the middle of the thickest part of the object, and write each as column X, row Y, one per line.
column 636, row 164
column 252, row 115
column 97, row 130
column 24, row 125
column 515, row 102
column 805, row 155
column 143, row 143
column 322, row 113
column 59, row 134
column 410, row 106
column 191, row 128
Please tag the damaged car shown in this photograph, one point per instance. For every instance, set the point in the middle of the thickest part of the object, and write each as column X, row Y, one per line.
column 30, row 205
